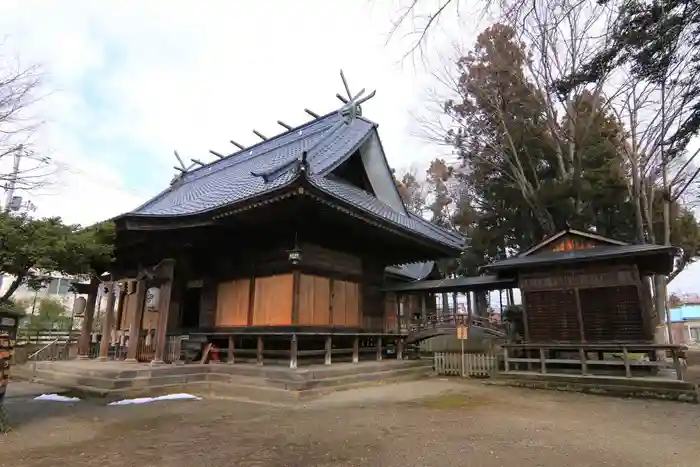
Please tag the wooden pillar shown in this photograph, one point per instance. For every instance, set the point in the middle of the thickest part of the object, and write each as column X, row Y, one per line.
column 120, row 306
column 398, row 312
column 469, row 307
column 135, row 324
column 454, row 306
column 108, row 323
column 259, row 353
column 526, row 325
column 231, row 350
column 293, row 352
column 296, row 284
column 399, row 349
column 329, row 350
column 579, row 316
column 166, row 272
column 481, row 299
column 356, row 350
column 84, row 346
column 445, row 305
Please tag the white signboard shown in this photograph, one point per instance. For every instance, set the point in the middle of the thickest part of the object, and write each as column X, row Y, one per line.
column 152, row 296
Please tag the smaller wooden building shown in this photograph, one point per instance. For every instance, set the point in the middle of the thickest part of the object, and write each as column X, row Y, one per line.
column 579, row 287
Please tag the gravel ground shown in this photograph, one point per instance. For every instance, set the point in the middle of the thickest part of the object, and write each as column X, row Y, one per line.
column 424, row 423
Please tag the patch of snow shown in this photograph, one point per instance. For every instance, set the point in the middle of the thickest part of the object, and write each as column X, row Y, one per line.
column 56, row 398
column 173, row 397
column 139, row 400
column 146, row 400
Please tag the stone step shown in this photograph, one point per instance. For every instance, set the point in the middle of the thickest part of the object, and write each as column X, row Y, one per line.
column 72, row 379
column 249, row 382
column 271, row 372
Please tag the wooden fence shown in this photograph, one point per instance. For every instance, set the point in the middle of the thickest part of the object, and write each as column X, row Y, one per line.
column 479, row 365
column 46, row 336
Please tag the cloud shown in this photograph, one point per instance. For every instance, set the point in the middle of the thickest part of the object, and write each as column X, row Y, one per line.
column 132, row 81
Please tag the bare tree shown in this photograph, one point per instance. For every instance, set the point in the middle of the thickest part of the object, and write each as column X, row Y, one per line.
column 20, row 91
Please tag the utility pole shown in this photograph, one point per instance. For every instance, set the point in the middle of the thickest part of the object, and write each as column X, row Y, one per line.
column 12, row 180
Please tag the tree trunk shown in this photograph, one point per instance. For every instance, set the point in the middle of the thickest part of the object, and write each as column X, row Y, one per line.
column 12, row 289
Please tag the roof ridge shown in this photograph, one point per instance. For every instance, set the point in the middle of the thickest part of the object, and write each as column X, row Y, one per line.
column 186, row 178
column 280, row 135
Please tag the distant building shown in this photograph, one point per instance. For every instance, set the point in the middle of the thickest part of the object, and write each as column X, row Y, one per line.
column 58, row 287
column 685, row 324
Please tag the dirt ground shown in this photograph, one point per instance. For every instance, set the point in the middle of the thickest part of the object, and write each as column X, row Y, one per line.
column 424, row 423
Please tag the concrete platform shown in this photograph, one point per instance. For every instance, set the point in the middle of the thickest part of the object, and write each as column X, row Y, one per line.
column 641, row 387
column 117, row 380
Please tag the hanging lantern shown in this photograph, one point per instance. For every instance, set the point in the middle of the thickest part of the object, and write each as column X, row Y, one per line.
column 152, row 297
column 79, row 306
column 295, row 255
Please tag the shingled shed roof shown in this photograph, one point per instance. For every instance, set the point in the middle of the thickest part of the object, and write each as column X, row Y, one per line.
column 587, row 255
column 310, row 152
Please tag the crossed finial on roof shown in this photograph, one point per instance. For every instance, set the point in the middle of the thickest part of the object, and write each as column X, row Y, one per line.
column 352, row 107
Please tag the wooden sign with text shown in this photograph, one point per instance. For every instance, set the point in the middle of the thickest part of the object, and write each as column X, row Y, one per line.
column 462, row 332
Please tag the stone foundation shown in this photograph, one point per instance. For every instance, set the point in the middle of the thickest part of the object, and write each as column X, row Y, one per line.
column 119, row 380
column 645, row 388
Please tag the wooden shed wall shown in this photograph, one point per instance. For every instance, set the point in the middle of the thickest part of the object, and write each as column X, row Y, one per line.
column 586, row 305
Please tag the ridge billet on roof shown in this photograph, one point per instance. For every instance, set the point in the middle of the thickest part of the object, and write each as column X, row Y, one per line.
column 244, row 155
column 231, row 180
column 282, row 138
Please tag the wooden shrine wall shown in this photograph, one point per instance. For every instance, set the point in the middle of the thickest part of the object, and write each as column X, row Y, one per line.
column 315, row 300
column 324, row 301
column 585, row 305
column 272, row 300
column 391, row 307
column 232, row 302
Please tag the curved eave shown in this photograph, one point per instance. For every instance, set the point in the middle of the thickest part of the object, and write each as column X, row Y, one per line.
column 299, row 186
column 322, row 196
column 134, row 221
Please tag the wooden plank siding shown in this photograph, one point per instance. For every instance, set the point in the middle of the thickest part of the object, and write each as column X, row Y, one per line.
column 346, row 303
column 598, row 303
column 272, row 303
column 314, row 300
column 232, row 301
column 391, row 309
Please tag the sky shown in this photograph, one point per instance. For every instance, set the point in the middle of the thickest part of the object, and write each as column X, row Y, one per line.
column 129, row 82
